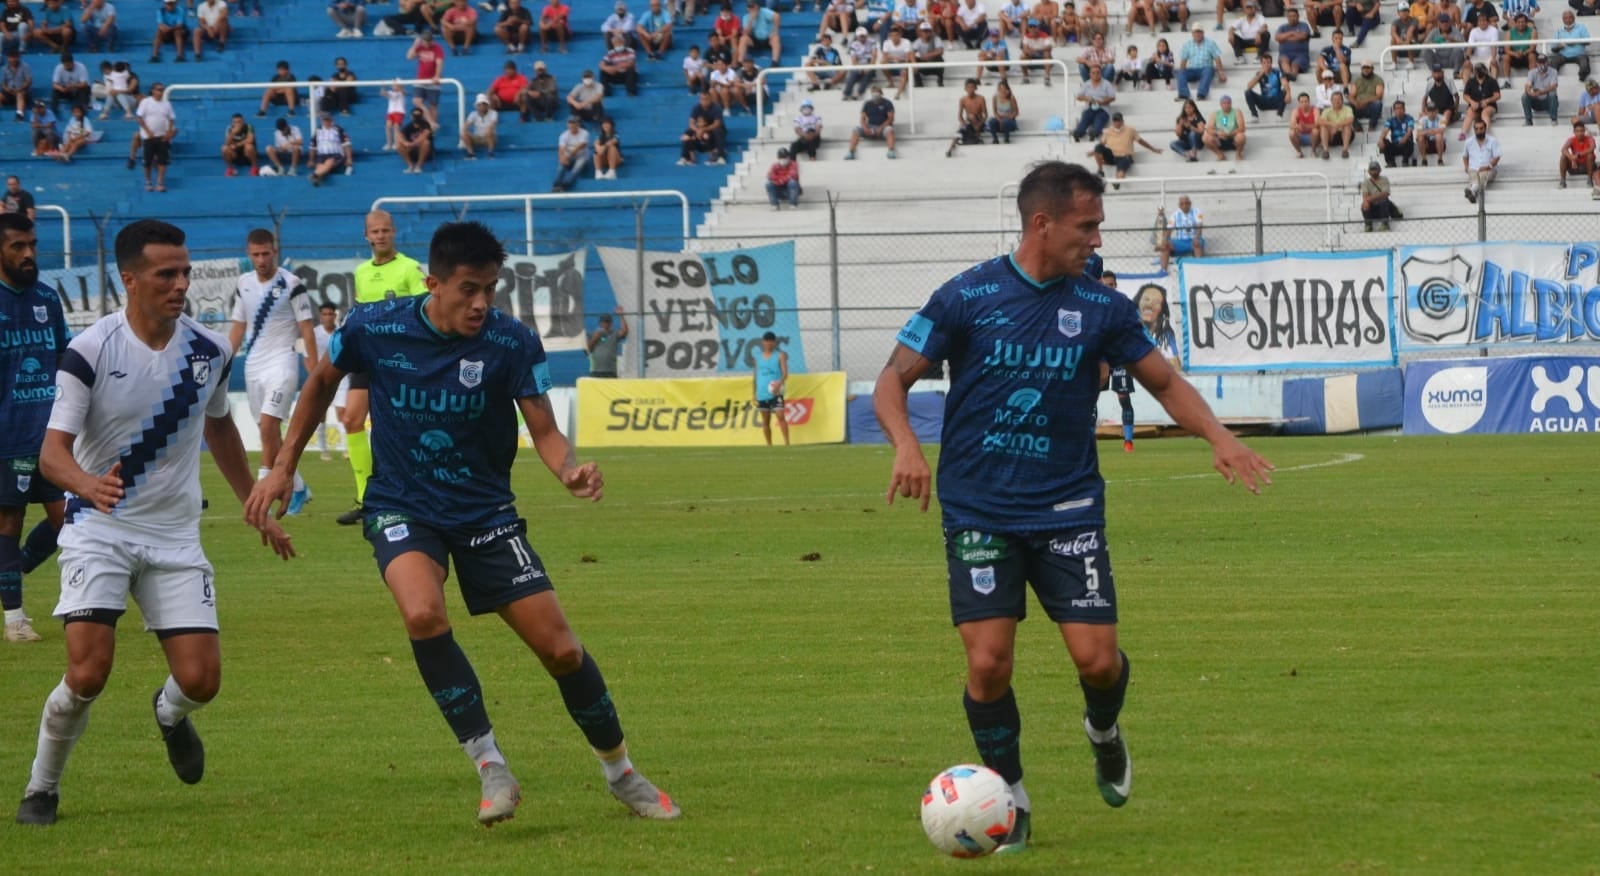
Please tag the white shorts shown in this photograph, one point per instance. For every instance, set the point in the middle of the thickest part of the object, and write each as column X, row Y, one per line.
column 342, row 393
column 271, row 391
column 172, row 585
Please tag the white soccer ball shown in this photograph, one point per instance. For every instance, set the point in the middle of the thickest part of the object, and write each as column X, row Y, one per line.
column 774, row 386
column 967, row 811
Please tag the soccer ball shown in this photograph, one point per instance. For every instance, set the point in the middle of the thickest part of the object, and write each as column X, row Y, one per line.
column 774, row 386
column 967, row 811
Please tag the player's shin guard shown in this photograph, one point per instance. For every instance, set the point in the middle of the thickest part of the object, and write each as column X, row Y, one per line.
column 997, row 731
column 454, row 686
column 39, row 546
column 65, row 716
column 589, row 704
column 360, row 449
column 1103, row 704
column 10, row 573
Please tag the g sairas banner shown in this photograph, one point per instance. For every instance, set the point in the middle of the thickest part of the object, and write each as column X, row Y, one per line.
column 1302, row 310
column 1500, row 295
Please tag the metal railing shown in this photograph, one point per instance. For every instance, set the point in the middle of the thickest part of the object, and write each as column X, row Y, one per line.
column 66, row 230
column 528, row 200
column 461, row 90
column 1066, row 68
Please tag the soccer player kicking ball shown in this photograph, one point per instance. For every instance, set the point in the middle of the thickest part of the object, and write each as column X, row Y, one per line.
column 136, row 394
column 271, row 310
column 447, row 375
column 1019, row 482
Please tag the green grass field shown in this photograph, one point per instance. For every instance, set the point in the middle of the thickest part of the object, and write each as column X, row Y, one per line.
column 1386, row 665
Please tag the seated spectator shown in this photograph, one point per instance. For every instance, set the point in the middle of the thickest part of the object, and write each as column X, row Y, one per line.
column 1327, row 89
column 1335, row 57
column 927, row 48
column 1266, row 90
column 694, row 71
column 706, row 133
column 239, row 147
column 515, row 27
column 1141, row 12
column 654, row 33
column 280, row 95
column 412, row 17
column 1170, row 11
column 783, row 180
column 394, row 115
column 1116, row 148
column 585, row 99
column 1183, row 234
column 339, row 98
column 70, row 83
column 823, row 57
column 1480, row 159
column 505, row 92
column 415, row 143
column 458, row 26
column 287, row 146
column 1587, row 102
column 1303, row 126
column 1480, row 100
column 1251, row 30
column 211, row 23
column 1003, row 120
column 1360, row 17
column 1191, row 131
column 53, row 28
column 553, row 25
column 1366, row 98
column 750, row 85
column 941, row 16
column 717, row 47
column 331, row 151
column 349, row 15
column 972, row 23
column 172, row 26
column 1398, row 140
column 1061, row 22
column 1405, row 32
column 1520, row 55
column 1096, row 55
column 121, row 90
column 1443, row 31
column 993, row 49
column 1037, row 44
column 723, row 85
column 540, row 99
column 1376, row 205
column 728, row 28
column 1321, row 12
column 1097, row 95
column 1200, row 61
column 1226, row 131
column 1577, row 155
column 572, row 153
column 1094, row 20
column 1483, row 51
column 480, row 128
column 99, row 22
column 1568, row 46
column 1294, row 45
column 607, row 150
column 620, row 21
column 16, row 21
column 839, row 17
column 1336, row 123
column 80, row 133
column 896, row 50
column 972, row 117
column 1442, row 96
column 877, row 123
column 1540, row 92
column 1160, row 66
column 807, row 131
column 619, row 66
column 1432, row 129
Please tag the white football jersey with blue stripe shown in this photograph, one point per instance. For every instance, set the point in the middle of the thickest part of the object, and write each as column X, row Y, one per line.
column 271, row 312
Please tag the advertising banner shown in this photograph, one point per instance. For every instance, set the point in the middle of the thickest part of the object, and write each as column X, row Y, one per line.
column 1287, row 311
column 1156, row 296
column 211, row 286
column 705, row 412
column 1499, row 295
column 1514, row 394
column 706, row 312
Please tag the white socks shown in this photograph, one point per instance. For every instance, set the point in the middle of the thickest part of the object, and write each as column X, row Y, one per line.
column 15, row 614
column 65, row 716
column 1099, row 736
column 615, row 763
column 482, row 750
column 1020, row 795
column 172, row 706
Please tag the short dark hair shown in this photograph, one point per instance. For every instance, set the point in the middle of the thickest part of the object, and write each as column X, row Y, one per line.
column 133, row 238
column 456, row 244
column 1052, row 185
column 328, row 305
column 769, row 336
column 258, row 236
column 18, row 222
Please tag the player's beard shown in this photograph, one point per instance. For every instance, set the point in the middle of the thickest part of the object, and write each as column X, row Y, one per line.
column 27, row 273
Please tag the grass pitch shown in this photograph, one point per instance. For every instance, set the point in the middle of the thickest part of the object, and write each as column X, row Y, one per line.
column 1389, row 663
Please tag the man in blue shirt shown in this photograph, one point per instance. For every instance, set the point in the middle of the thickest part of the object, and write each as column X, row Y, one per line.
column 1570, row 52
column 100, row 25
column 448, row 374
column 1023, row 500
column 33, row 333
column 172, row 25
column 1265, row 91
column 1294, row 45
column 760, row 27
column 1198, row 61
column 1399, row 137
column 53, row 29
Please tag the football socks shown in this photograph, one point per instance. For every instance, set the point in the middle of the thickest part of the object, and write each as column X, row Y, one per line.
column 65, row 716
column 173, row 705
column 589, row 704
column 1103, row 704
column 454, row 686
column 10, row 573
column 997, row 731
column 41, row 543
column 360, row 449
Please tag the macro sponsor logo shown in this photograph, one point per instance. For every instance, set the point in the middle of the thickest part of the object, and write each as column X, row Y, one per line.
column 1019, row 411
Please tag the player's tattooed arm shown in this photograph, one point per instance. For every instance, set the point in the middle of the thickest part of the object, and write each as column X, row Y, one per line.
column 581, row 480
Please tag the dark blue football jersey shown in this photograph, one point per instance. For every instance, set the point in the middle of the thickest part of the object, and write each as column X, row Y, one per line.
column 444, row 419
column 1018, row 450
column 33, row 335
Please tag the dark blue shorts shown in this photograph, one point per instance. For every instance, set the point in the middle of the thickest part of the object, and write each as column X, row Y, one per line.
column 1070, row 571
column 770, row 405
column 494, row 567
column 1121, row 381
column 21, row 484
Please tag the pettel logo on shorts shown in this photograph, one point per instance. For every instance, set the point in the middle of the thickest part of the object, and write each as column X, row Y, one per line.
column 1454, row 399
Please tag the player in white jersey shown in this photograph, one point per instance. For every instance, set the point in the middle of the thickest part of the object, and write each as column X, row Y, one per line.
column 137, row 392
column 271, row 311
column 327, row 324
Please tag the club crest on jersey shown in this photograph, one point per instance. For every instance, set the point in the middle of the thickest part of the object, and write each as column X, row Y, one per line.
column 41, row 313
column 22, row 483
column 1070, row 322
column 471, row 373
column 200, row 365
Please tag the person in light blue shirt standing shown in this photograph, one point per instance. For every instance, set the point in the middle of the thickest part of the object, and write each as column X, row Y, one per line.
column 1570, row 52
column 772, row 372
column 760, row 26
column 1200, row 61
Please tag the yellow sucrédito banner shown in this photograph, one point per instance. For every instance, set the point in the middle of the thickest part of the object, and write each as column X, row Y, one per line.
column 705, row 412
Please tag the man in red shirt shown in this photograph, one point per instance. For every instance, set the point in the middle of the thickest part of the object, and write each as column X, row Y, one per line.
column 429, row 56
column 1577, row 155
column 505, row 89
column 459, row 26
column 553, row 23
column 783, row 180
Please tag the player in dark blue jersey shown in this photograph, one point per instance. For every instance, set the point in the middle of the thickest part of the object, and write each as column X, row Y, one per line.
column 448, row 374
column 1117, row 379
column 1019, row 481
column 33, row 333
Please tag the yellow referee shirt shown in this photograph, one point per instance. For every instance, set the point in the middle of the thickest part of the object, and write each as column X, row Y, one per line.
column 397, row 278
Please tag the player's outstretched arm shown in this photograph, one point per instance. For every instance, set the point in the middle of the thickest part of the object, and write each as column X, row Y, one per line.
column 309, row 413
column 911, row 478
column 583, row 481
column 227, row 451
column 1231, row 458
column 61, row 468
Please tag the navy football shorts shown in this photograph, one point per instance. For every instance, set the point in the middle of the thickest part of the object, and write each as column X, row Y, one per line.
column 1070, row 571
column 494, row 566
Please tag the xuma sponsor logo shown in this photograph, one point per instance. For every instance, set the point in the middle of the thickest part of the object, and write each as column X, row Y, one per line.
column 1455, row 397
column 1547, row 389
column 1017, row 443
column 398, row 362
column 1453, row 400
column 34, row 394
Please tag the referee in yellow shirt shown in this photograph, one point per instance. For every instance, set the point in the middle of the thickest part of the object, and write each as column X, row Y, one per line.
column 388, row 274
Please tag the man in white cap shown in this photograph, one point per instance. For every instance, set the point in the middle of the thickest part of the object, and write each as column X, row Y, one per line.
column 927, row 47
column 617, row 22
column 479, row 128
column 862, row 50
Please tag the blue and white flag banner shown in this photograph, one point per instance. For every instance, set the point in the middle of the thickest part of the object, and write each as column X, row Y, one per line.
column 1499, row 295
